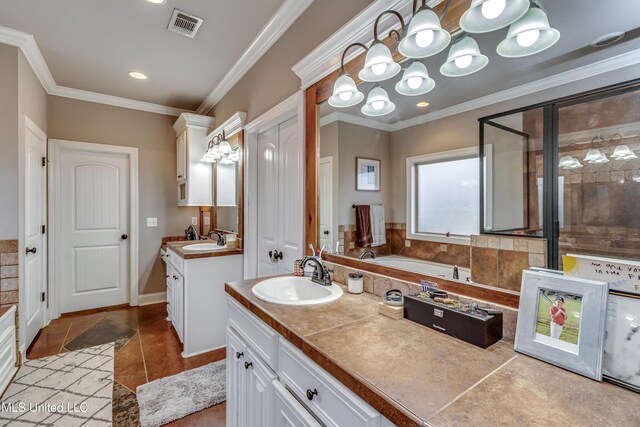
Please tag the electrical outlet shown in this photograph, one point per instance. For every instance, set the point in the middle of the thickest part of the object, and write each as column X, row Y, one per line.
column 207, row 220
column 443, row 248
column 194, row 220
column 407, row 243
column 152, row 222
column 352, row 245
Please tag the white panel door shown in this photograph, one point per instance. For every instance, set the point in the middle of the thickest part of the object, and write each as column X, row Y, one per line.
column 35, row 217
column 94, row 227
column 290, row 212
column 268, row 201
column 325, row 187
column 259, row 393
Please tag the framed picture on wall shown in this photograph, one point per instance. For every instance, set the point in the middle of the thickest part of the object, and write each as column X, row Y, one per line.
column 367, row 174
column 561, row 321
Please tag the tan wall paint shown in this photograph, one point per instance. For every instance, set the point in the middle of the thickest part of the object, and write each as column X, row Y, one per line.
column 154, row 137
column 271, row 80
column 32, row 97
column 8, row 142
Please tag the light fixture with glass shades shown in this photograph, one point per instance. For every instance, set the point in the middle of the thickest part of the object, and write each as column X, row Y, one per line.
column 378, row 103
column 622, row 152
column 569, row 162
column 529, row 35
column 219, row 150
column 345, row 90
column 594, row 155
column 485, row 16
column 424, row 36
column 415, row 80
column 379, row 64
column 464, row 58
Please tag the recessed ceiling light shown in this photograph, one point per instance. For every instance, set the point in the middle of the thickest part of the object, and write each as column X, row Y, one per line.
column 156, row 1
column 422, row 104
column 138, row 75
column 608, row 39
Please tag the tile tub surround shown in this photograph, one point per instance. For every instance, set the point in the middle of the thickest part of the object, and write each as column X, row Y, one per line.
column 9, row 282
column 390, row 364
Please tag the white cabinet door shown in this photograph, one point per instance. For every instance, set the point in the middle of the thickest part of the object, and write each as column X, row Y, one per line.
column 259, row 391
column 287, row 411
column 236, row 383
column 181, row 157
column 170, row 273
column 177, row 303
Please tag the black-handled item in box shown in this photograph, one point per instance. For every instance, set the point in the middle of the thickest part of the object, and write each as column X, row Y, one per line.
column 476, row 326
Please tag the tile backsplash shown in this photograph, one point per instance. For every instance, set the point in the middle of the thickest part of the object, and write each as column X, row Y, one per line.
column 9, row 273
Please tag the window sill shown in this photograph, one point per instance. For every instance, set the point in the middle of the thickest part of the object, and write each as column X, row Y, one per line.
column 440, row 238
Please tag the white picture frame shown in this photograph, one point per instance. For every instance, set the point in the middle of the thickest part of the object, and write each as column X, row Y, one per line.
column 621, row 363
column 585, row 356
column 367, row 174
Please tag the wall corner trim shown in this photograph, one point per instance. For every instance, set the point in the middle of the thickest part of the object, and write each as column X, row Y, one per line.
column 231, row 126
column 279, row 23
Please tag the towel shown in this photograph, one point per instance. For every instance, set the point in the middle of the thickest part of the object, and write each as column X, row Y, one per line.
column 378, row 229
column 363, row 226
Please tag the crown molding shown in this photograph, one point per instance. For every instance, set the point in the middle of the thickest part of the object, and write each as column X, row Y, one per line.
column 27, row 44
column 325, row 59
column 280, row 22
column 193, row 120
column 614, row 63
column 231, row 126
column 354, row 120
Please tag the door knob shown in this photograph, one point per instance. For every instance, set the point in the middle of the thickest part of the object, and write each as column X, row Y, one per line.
column 31, row 250
column 326, row 232
column 124, row 237
column 239, row 354
column 247, row 365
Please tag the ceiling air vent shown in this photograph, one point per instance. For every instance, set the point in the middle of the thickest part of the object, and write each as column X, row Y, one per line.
column 184, row 23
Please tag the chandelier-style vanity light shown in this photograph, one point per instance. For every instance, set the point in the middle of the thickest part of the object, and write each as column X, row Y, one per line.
column 464, row 58
column 622, row 152
column 415, row 80
column 424, row 36
column 218, row 149
column 378, row 103
column 345, row 90
column 569, row 162
column 489, row 15
column 379, row 64
column 594, row 155
column 529, row 35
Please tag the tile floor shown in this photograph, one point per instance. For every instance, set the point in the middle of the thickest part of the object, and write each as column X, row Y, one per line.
column 147, row 348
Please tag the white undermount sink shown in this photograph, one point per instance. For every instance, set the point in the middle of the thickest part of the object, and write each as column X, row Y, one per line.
column 295, row 291
column 204, row 247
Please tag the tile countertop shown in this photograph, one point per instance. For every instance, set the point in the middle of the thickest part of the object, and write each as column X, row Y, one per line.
column 177, row 248
column 416, row 376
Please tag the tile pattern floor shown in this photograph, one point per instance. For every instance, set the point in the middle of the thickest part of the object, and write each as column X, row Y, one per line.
column 147, row 348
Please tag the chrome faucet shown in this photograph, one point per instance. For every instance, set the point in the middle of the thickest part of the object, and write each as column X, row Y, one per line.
column 367, row 252
column 456, row 273
column 221, row 241
column 321, row 275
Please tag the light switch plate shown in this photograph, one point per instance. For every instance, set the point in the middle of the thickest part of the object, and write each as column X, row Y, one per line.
column 207, row 220
column 194, row 220
column 352, row 245
column 152, row 222
column 443, row 248
column 407, row 243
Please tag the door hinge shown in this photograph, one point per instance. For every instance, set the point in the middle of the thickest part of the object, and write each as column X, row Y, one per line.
column 44, row 229
column 44, row 161
column 43, row 298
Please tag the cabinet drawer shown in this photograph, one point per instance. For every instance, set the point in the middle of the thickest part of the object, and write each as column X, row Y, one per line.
column 334, row 404
column 176, row 261
column 256, row 334
column 287, row 410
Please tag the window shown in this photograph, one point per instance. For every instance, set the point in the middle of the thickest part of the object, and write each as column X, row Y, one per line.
column 443, row 196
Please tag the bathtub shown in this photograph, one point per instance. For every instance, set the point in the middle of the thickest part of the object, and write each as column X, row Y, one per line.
column 421, row 267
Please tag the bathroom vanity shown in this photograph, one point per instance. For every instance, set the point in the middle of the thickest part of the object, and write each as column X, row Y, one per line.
column 343, row 364
column 195, row 293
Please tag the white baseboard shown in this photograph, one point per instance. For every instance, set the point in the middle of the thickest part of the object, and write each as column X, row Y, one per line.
column 185, row 355
column 155, row 298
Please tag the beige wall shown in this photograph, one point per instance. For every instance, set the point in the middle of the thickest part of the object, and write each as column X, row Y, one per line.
column 329, row 147
column 271, row 80
column 154, row 137
column 9, row 142
column 32, row 98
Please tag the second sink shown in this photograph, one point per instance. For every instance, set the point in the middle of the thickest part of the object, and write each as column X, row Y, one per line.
column 295, row 291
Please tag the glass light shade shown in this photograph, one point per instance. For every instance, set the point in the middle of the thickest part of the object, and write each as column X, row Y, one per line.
column 489, row 15
column 569, row 162
column 378, row 64
column 235, row 156
column 458, row 63
column 415, row 80
column 425, row 36
column 529, row 35
column 595, row 156
column 208, row 158
column 225, row 147
column 623, row 152
column 378, row 103
column 345, row 93
column 226, row 161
